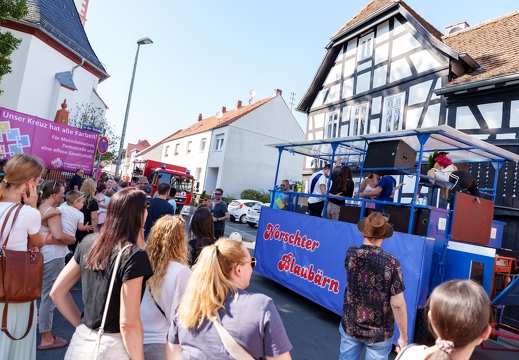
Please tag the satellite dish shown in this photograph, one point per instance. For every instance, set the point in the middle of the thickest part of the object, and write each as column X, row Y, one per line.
column 251, row 101
column 252, row 93
column 219, row 115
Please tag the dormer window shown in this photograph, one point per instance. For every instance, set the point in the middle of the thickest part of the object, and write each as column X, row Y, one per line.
column 365, row 49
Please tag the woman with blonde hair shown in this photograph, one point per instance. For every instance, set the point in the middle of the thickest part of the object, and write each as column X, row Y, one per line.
column 94, row 263
column 89, row 210
column 459, row 316
column 216, row 293
column 168, row 252
column 22, row 176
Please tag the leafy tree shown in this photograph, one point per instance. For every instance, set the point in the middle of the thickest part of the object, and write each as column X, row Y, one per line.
column 17, row 10
column 88, row 114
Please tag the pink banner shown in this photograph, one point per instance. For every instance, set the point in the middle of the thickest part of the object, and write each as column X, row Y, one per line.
column 61, row 147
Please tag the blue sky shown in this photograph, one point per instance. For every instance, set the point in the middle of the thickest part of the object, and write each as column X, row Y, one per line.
column 209, row 54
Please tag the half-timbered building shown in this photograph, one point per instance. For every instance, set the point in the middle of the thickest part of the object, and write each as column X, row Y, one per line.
column 388, row 69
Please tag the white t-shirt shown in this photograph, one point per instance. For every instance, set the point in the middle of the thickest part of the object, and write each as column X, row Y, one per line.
column 70, row 219
column 155, row 325
column 413, row 352
column 51, row 252
column 27, row 223
column 317, row 189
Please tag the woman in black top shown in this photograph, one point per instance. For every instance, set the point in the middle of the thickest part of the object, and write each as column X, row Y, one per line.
column 202, row 227
column 94, row 263
column 342, row 185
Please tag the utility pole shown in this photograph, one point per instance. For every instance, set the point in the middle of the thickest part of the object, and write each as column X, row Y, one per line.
column 292, row 99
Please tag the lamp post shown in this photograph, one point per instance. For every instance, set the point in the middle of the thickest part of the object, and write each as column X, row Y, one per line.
column 140, row 42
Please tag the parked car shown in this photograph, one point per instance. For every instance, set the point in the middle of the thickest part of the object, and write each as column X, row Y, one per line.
column 238, row 209
column 254, row 214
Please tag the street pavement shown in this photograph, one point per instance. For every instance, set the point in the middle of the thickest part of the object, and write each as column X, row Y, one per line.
column 312, row 329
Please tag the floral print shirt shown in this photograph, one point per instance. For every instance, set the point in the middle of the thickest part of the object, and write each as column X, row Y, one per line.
column 373, row 277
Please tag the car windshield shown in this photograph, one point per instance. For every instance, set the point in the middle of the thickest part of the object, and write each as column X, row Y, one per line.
column 234, row 203
column 180, row 183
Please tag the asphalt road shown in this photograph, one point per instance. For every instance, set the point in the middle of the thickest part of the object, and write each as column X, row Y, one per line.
column 312, row 330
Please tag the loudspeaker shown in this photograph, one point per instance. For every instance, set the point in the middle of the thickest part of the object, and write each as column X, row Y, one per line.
column 390, row 154
column 399, row 217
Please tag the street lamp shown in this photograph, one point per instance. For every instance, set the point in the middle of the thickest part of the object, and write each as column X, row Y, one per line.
column 144, row 41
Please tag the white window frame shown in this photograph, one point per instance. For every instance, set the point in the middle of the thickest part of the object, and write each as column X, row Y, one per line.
column 177, row 145
column 393, row 107
column 166, row 152
column 203, row 142
column 359, row 119
column 198, row 173
column 331, row 127
column 218, row 143
column 188, row 147
column 365, row 47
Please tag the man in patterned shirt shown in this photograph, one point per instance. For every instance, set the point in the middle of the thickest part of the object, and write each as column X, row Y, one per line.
column 374, row 296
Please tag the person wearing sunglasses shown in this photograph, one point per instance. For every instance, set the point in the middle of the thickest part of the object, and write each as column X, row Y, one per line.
column 220, row 214
column 216, row 293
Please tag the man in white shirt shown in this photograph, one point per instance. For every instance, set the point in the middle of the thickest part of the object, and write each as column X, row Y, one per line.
column 318, row 187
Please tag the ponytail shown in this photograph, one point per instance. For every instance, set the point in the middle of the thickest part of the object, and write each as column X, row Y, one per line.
column 210, row 283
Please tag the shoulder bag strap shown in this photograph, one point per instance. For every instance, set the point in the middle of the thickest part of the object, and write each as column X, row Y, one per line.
column 155, row 301
column 229, row 343
column 4, row 245
column 101, row 330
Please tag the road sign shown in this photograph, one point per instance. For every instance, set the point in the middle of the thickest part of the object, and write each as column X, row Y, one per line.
column 102, row 145
column 92, row 128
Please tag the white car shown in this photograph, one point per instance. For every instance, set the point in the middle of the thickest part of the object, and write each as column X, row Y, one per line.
column 254, row 214
column 238, row 209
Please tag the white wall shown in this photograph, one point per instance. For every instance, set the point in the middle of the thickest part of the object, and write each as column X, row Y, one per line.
column 153, row 154
column 30, row 88
column 245, row 162
column 192, row 160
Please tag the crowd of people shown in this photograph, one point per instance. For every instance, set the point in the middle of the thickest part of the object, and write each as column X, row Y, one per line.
column 151, row 293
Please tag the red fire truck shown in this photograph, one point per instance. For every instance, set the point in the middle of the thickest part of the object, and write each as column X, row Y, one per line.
column 158, row 172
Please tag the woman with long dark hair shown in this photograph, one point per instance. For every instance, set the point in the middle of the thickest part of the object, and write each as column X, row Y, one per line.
column 94, row 263
column 216, row 294
column 22, row 176
column 342, row 185
column 202, row 227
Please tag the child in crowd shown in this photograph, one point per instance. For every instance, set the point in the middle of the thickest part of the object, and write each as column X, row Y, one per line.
column 71, row 217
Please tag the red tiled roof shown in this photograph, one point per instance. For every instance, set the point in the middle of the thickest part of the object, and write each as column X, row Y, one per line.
column 140, row 145
column 493, row 44
column 376, row 5
column 213, row 122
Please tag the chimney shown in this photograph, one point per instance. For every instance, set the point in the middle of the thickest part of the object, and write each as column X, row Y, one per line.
column 238, row 104
column 451, row 29
column 224, row 109
column 199, row 117
column 277, row 92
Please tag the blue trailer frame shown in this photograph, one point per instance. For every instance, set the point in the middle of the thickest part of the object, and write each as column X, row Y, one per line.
column 306, row 254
